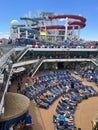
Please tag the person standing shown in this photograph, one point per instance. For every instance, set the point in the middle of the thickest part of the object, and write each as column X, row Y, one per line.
column 28, row 121
column 82, row 76
column 72, row 85
column 18, row 87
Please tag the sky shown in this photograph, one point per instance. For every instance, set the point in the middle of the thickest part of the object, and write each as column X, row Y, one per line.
column 14, row 9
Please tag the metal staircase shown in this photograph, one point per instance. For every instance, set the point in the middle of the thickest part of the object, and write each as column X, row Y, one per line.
column 4, row 88
column 95, row 61
column 5, row 57
column 1, row 52
column 21, row 54
column 35, row 67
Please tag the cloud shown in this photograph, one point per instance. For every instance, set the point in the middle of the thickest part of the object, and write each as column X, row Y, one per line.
column 7, row 32
column 4, row 35
column 1, row 33
column 62, row 20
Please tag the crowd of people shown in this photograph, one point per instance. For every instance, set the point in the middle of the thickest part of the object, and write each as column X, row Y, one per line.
column 50, row 85
column 25, row 123
column 89, row 73
column 66, row 44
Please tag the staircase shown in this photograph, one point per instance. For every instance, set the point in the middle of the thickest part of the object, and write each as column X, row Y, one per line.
column 5, row 57
column 21, row 54
column 1, row 52
column 95, row 61
column 4, row 88
column 35, row 67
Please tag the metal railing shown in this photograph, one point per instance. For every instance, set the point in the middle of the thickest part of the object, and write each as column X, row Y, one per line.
column 21, row 54
column 5, row 57
column 4, row 87
column 35, row 68
column 95, row 61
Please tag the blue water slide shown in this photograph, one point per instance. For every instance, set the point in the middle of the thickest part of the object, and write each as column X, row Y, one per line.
column 31, row 19
column 30, row 30
column 29, row 39
column 16, row 26
column 34, row 20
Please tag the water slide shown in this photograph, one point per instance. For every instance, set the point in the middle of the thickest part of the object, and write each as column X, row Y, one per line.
column 16, row 26
column 73, row 22
column 64, row 16
column 34, row 22
column 77, row 21
column 29, row 30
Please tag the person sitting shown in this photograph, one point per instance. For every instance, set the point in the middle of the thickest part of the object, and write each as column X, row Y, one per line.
column 11, row 127
column 28, row 120
column 91, row 78
column 63, row 121
column 26, row 85
column 62, row 117
column 42, row 97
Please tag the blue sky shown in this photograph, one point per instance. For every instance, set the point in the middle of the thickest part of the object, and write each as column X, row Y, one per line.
column 14, row 9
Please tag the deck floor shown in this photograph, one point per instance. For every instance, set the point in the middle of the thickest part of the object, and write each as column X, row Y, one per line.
column 84, row 114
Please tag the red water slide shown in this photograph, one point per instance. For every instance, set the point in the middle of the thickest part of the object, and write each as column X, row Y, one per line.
column 64, row 16
column 76, row 22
